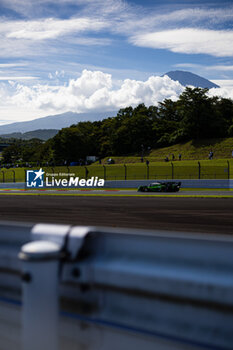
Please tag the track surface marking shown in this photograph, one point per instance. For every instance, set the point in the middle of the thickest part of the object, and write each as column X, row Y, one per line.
column 112, row 192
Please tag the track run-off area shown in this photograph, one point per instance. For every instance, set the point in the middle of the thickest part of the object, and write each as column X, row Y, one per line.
column 201, row 193
column 203, row 211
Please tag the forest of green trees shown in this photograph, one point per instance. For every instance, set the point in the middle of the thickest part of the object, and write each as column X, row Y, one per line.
column 194, row 115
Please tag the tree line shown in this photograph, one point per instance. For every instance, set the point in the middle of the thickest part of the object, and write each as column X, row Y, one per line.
column 195, row 115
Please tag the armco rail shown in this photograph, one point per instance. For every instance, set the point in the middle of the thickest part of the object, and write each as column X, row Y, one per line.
column 110, row 289
column 185, row 183
column 211, row 169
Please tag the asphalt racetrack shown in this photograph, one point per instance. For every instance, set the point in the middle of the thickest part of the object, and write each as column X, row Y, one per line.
column 178, row 212
column 122, row 192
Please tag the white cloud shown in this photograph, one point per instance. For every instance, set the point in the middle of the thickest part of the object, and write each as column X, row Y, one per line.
column 50, row 37
column 220, row 68
column 49, row 28
column 223, row 71
column 188, row 40
column 41, row 8
column 225, row 83
column 29, row 37
column 57, row 74
column 140, row 25
column 196, row 15
column 225, row 92
column 11, row 65
column 92, row 91
column 13, row 78
column 121, row 9
column 188, row 65
column 89, row 83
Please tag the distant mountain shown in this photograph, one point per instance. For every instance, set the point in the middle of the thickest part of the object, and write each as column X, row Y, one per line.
column 57, row 121
column 188, row 78
column 42, row 134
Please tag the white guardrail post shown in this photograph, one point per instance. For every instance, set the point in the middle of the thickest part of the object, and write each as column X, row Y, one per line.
column 40, row 295
column 40, row 276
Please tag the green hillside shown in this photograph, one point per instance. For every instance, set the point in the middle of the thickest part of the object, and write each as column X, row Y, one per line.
column 185, row 169
column 42, row 134
column 192, row 150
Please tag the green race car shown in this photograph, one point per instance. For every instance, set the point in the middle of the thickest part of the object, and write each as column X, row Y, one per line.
column 160, row 187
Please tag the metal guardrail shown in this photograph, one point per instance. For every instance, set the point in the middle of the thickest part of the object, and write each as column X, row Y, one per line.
column 133, row 171
column 102, row 288
column 185, row 183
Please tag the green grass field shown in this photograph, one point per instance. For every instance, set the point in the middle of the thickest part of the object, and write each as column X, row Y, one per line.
column 192, row 150
column 194, row 164
column 205, row 169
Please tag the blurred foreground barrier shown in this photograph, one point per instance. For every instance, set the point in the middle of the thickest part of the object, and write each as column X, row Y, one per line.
column 64, row 287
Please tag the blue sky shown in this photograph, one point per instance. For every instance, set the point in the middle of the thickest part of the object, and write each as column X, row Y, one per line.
column 85, row 55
